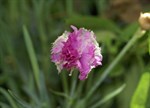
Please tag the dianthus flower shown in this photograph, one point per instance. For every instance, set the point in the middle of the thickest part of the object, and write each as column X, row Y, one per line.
column 78, row 49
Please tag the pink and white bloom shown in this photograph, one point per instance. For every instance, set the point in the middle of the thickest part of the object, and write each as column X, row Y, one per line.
column 78, row 49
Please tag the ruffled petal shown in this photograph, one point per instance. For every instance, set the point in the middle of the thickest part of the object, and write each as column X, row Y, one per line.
column 78, row 49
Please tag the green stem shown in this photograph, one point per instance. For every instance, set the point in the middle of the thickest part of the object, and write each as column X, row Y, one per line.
column 73, row 85
column 109, row 96
column 132, row 41
column 72, row 91
column 65, row 84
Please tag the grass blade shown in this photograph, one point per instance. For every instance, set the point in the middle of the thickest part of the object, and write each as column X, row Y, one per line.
column 109, row 96
column 59, row 93
column 20, row 101
column 11, row 101
column 4, row 105
column 32, row 56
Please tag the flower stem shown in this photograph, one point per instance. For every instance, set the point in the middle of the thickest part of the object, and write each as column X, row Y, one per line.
column 131, row 42
column 72, row 91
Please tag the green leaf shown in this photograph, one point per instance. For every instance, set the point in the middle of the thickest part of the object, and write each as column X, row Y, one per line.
column 4, row 105
column 129, row 31
column 59, row 93
column 105, row 36
column 32, row 95
column 149, row 41
column 19, row 100
column 93, row 23
column 141, row 93
column 109, row 96
column 32, row 55
column 9, row 98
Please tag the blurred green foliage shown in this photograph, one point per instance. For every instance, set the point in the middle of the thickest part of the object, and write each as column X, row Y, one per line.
column 141, row 94
column 28, row 78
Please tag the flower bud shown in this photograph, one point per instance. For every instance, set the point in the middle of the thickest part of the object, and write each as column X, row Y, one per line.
column 144, row 21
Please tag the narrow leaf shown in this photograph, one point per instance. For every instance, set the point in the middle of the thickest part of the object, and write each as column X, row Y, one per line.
column 11, row 101
column 59, row 93
column 4, row 105
column 32, row 55
column 19, row 100
column 109, row 96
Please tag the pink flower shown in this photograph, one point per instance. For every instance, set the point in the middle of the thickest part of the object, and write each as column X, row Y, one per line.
column 78, row 49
